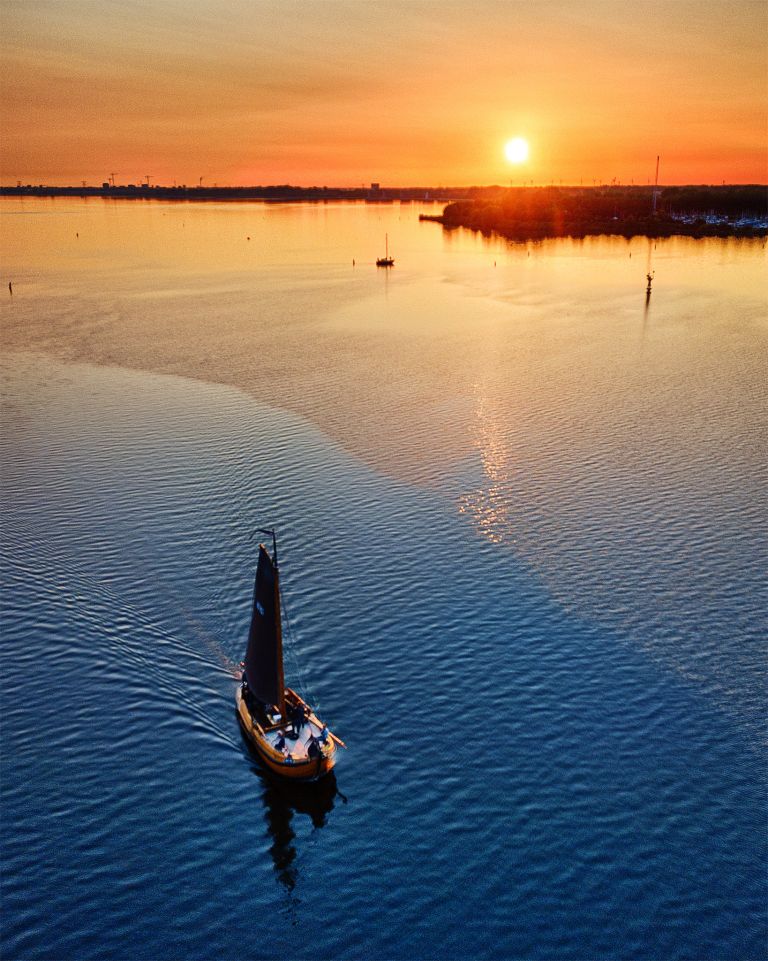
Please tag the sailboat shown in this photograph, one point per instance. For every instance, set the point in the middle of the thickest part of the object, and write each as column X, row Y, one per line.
column 284, row 730
column 386, row 260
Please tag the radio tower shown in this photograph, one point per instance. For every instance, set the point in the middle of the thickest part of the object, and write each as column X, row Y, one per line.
column 656, row 188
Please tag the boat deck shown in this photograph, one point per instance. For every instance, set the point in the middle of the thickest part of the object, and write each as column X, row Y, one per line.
column 298, row 748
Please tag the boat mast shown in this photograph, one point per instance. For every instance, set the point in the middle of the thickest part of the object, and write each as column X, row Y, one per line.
column 279, row 634
column 278, row 627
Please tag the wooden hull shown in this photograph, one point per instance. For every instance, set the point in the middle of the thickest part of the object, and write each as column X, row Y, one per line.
column 286, row 764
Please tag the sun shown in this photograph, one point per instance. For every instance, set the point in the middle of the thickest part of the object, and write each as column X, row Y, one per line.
column 516, row 150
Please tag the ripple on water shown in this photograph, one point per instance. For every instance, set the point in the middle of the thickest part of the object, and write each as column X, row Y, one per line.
column 593, row 805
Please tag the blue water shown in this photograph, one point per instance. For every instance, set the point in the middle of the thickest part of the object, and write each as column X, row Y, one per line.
column 524, row 778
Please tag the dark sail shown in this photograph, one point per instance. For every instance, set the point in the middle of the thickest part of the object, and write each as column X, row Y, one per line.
column 263, row 659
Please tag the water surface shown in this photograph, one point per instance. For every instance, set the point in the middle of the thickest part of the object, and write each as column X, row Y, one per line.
column 524, row 544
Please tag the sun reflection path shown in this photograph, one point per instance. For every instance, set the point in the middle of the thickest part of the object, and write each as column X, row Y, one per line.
column 489, row 506
column 601, row 505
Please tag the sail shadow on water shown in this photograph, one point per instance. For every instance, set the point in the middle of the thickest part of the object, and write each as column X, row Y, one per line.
column 283, row 800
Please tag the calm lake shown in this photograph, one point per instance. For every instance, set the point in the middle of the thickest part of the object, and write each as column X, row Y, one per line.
column 523, row 526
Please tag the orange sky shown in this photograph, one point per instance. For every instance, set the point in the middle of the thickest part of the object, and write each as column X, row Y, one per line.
column 405, row 93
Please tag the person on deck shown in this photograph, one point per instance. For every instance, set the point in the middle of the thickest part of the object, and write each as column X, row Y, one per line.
column 298, row 716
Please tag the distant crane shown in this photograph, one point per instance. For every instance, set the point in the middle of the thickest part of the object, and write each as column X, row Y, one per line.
column 146, row 177
column 111, row 179
column 655, row 188
column 200, row 184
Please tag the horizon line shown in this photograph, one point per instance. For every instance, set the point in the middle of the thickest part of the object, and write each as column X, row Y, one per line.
column 372, row 188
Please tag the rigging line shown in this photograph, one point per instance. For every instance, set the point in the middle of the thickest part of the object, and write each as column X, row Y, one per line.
column 292, row 650
column 294, row 656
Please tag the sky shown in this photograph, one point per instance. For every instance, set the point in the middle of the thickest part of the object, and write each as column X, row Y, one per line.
column 414, row 93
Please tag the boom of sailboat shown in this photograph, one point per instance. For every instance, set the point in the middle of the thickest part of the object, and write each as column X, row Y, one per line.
column 288, row 736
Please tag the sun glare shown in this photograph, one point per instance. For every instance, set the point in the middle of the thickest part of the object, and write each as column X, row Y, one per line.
column 516, row 150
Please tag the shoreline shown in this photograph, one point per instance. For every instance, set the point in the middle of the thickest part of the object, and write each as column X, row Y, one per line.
column 552, row 220
column 696, row 230
column 276, row 194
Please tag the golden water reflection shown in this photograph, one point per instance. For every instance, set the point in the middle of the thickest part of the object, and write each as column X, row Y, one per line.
column 531, row 383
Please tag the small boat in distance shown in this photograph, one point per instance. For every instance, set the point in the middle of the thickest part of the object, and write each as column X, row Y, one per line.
column 288, row 736
column 386, row 260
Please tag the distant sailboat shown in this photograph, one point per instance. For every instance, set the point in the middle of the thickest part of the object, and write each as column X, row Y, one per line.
column 386, row 260
column 289, row 738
